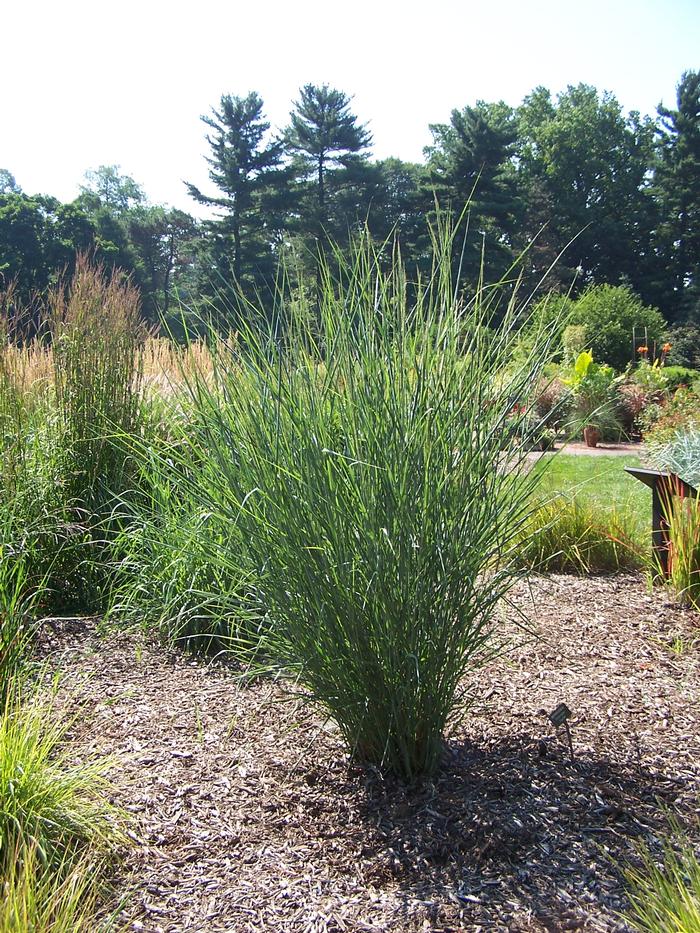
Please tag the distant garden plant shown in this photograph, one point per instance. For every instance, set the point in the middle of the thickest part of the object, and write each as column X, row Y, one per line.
column 610, row 320
column 572, row 534
column 97, row 333
column 594, row 403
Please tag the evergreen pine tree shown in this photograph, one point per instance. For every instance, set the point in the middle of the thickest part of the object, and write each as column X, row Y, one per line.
column 677, row 188
column 328, row 147
column 247, row 171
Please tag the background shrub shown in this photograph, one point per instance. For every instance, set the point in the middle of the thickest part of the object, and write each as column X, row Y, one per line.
column 610, row 320
column 685, row 346
column 664, row 421
column 615, row 320
column 677, row 376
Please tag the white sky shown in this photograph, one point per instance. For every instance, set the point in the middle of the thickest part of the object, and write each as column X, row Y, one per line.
column 90, row 83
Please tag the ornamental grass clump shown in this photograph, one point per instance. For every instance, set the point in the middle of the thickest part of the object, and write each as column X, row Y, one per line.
column 568, row 534
column 366, row 451
column 97, row 336
column 43, row 898
column 47, row 801
column 679, row 453
column 683, row 528
column 176, row 570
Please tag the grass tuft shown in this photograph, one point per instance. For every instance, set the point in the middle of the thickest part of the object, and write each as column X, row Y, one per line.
column 683, row 518
column 665, row 897
column 37, row 898
column 46, row 800
column 571, row 535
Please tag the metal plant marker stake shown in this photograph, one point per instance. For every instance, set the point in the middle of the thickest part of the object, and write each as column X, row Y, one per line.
column 560, row 717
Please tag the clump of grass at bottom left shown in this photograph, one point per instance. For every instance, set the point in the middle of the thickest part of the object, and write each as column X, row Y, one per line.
column 41, row 898
column 46, row 799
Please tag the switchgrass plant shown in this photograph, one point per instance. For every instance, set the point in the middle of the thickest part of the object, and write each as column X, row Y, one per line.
column 47, row 801
column 175, row 571
column 572, row 534
column 665, row 896
column 22, row 503
column 366, row 451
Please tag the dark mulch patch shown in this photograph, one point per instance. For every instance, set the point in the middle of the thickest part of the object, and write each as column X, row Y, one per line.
column 247, row 814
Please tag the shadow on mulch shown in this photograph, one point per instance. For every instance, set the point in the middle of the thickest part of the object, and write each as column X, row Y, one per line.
column 512, row 828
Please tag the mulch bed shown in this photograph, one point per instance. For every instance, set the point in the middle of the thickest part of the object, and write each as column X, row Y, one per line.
column 247, row 814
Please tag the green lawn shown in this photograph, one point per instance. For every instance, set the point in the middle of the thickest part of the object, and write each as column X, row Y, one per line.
column 603, row 481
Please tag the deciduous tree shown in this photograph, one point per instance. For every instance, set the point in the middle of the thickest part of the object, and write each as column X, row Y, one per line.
column 584, row 167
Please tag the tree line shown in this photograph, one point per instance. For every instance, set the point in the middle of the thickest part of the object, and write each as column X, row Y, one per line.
column 567, row 189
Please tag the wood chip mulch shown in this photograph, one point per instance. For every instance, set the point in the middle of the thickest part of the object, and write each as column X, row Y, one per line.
column 247, row 815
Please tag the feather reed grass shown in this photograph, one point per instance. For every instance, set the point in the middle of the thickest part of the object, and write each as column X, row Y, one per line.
column 97, row 336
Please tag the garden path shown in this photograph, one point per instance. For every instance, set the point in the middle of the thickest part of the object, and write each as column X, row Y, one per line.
column 247, row 815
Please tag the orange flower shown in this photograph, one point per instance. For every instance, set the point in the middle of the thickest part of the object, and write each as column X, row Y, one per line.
column 642, row 349
column 666, row 347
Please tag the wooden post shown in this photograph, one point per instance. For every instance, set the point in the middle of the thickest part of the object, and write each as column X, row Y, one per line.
column 663, row 486
column 659, row 531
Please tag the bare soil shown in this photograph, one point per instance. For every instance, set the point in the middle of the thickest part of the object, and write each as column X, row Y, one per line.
column 246, row 813
column 621, row 449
